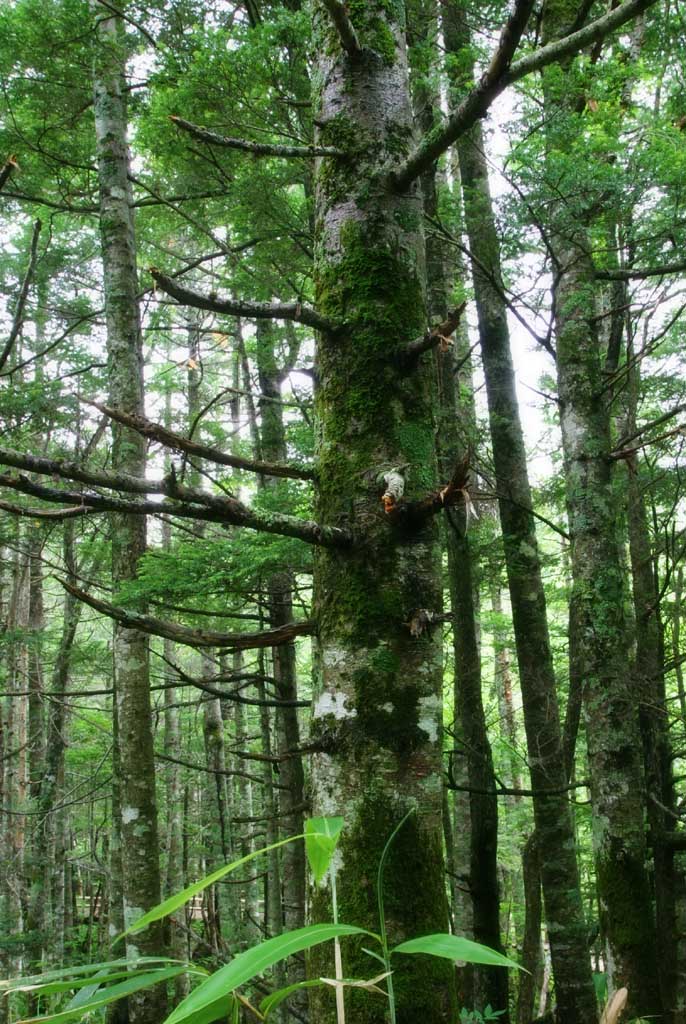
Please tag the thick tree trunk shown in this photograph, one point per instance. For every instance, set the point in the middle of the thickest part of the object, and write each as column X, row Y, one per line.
column 140, row 848
column 559, row 871
column 378, row 700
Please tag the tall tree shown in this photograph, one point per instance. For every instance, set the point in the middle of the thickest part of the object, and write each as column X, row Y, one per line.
column 140, row 848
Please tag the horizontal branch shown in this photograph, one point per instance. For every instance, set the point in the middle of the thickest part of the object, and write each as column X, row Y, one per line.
column 192, row 504
column 156, row 432
column 194, row 637
column 344, row 27
column 438, row 335
column 254, row 148
column 641, row 273
column 6, row 170
column 18, row 318
column 57, row 514
column 498, row 77
column 301, row 314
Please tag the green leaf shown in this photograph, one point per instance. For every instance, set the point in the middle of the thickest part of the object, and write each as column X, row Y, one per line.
column 454, row 947
column 110, row 995
column 321, row 838
column 168, row 906
column 30, row 981
column 276, row 998
column 255, row 961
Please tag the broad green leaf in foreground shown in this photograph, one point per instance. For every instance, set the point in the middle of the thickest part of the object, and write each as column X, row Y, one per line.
column 109, row 995
column 321, row 837
column 168, row 906
column 454, row 947
column 255, row 961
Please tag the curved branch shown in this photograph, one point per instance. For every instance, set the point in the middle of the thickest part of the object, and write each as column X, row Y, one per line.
column 296, row 311
column 193, row 637
column 177, row 443
column 255, row 148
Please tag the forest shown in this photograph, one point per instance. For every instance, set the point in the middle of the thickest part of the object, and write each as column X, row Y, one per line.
column 342, row 527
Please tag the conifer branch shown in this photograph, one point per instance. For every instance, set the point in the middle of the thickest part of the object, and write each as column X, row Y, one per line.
column 296, row 311
column 194, row 637
column 254, row 148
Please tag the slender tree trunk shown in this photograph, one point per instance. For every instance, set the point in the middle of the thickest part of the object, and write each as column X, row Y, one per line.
column 280, row 607
column 599, row 647
column 554, row 825
column 140, row 847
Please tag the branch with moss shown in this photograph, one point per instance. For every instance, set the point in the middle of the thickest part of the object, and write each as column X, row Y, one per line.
column 254, row 148
column 191, row 504
column 194, row 637
column 177, row 443
column 297, row 311
column 344, row 27
column 501, row 74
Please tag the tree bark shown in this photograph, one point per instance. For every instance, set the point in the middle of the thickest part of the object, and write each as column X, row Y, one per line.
column 140, row 848
column 552, row 815
column 378, row 696
column 599, row 643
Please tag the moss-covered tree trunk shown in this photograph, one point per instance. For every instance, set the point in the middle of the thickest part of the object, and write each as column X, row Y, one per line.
column 559, row 871
column 378, row 705
column 599, row 643
column 140, row 852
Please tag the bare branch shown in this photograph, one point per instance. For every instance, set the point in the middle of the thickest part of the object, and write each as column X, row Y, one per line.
column 302, row 314
column 254, row 148
column 177, row 443
column 500, row 75
column 640, row 274
column 194, row 637
column 18, row 318
column 438, row 335
column 344, row 27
